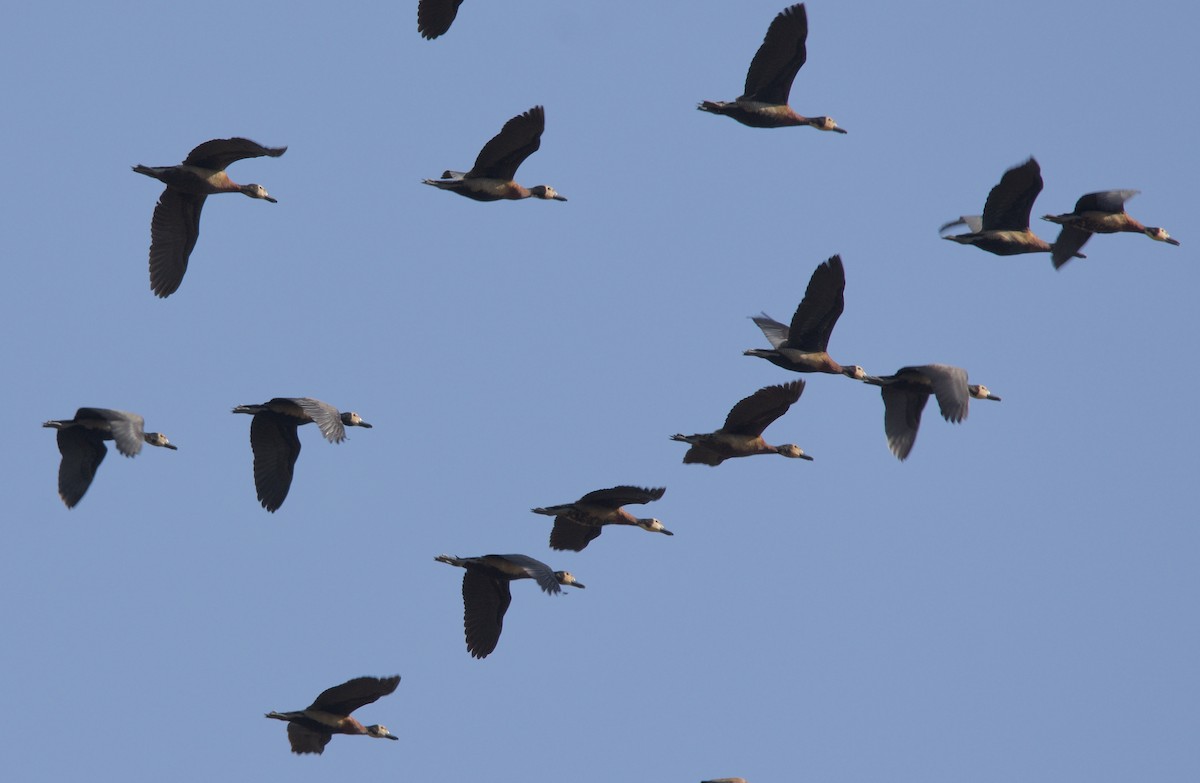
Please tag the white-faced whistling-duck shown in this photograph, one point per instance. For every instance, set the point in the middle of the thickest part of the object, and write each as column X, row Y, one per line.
column 491, row 178
column 81, row 443
column 486, row 593
column 576, row 524
column 906, row 392
column 742, row 434
column 176, row 222
column 1098, row 213
column 801, row 347
column 764, row 104
column 309, row 730
column 276, row 446
column 434, row 17
column 1004, row 227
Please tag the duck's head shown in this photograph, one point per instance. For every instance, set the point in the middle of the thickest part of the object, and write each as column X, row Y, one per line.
column 793, row 451
column 158, row 439
column 981, row 393
column 567, row 579
column 545, row 192
column 1161, row 235
column 257, row 191
column 825, row 124
column 352, row 419
column 380, row 732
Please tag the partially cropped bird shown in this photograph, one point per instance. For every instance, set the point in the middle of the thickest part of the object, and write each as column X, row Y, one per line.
column 906, row 392
column 176, row 222
column 491, row 178
column 802, row 346
column 742, row 434
column 434, row 17
column 310, row 729
column 81, row 443
column 1098, row 213
column 276, row 445
column 486, row 593
column 764, row 102
column 576, row 524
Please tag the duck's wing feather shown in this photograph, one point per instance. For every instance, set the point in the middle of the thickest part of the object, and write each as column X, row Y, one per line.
column 349, row 696
column 219, row 153
column 755, row 413
column 517, row 140
column 615, row 497
column 823, row 302
column 1009, row 203
column 780, row 57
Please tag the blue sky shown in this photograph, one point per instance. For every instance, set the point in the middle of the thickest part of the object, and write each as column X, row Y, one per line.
column 1016, row 601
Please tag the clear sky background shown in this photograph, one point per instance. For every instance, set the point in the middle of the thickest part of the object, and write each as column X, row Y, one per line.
column 1015, row 602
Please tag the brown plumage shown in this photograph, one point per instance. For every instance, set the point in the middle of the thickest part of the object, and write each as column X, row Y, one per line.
column 310, row 729
column 764, row 103
column 741, row 436
column 175, row 226
column 802, row 346
column 491, row 178
column 576, row 524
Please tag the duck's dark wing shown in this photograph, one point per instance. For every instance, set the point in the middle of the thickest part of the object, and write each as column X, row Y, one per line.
column 174, row 230
column 434, row 17
column 615, row 497
column 276, row 447
column 349, row 696
column 517, row 140
column 1070, row 241
column 902, row 406
column 219, row 153
column 485, row 600
column 572, row 536
column 1104, row 201
column 777, row 61
column 82, row 452
column 1008, row 204
column 755, row 413
column 307, row 740
column 823, row 302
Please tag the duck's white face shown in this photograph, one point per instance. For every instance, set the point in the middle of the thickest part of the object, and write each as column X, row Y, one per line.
column 827, row 124
column 380, row 732
column 855, row 372
column 257, row 191
column 158, row 439
column 352, row 419
column 793, row 451
column 567, row 578
column 654, row 526
column 982, row 393
column 546, row 192
column 1160, row 235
